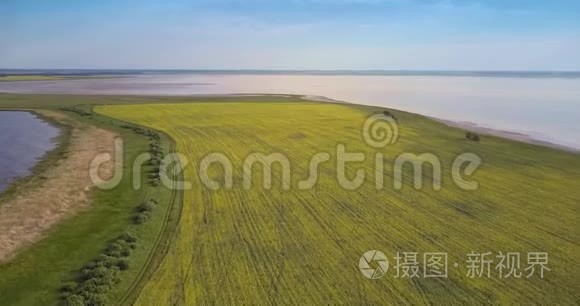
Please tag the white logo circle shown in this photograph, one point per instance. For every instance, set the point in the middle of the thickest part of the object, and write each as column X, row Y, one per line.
column 373, row 264
column 380, row 130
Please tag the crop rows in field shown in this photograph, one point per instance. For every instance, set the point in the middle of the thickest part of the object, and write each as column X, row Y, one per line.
column 303, row 246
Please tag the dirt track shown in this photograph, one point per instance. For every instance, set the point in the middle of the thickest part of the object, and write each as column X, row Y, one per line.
column 62, row 192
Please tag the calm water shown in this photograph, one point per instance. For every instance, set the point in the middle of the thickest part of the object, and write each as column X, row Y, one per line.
column 546, row 108
column 24, row 139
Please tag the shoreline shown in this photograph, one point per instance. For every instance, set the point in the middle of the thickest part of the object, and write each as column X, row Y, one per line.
column 467, row 126
column 514, row 136
column 58, row 187
column 61, row 143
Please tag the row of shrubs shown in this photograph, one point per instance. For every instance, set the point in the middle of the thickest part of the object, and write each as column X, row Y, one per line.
column 100, row 275
column 155, row 150
column 156, row 157
column 77, row 111
column 103, row 273
column 144, row 211
column 139, row 130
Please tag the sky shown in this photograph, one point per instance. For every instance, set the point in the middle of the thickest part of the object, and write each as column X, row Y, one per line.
column 291, row 34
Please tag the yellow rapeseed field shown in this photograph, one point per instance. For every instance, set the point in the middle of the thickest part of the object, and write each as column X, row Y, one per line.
column 293, row 246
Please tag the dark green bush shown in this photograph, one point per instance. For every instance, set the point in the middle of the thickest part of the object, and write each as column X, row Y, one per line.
column 472, row 136
column 96, row 299
column 77, row 111
column 68, row 287
column 74, row 300
column 155, row 161
column 94, row 273
column 123, row 264
column 142, row 217
column 91, row 265
column 155, row 182
column 128, row 237
column 119, row 248
column 114, row 253
column 146, row 207
column 105, row 260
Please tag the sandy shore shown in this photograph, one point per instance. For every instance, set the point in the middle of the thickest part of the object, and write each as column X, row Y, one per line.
column 54, row 194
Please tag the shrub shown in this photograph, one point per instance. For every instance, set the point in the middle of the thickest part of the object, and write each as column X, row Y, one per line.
column 472, row 136
column 91, row 265
column 123, row 264
column 114, row 250
column 389, row 114
column 142, row 217
column 118, row 249
column 128, row 237
column 96, row 272
column 74, row 300
column 155, row 161
column 93, row 285
column 105, row 260
column 155, row 182
column 96, row 299
column 68, row 287
column 65, row 294
column 146, row 207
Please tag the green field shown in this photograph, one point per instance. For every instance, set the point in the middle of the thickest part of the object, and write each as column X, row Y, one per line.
column 30, row 78
column 13, row 78
column 296, row 246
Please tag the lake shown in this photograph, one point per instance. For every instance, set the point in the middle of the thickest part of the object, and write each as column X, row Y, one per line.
column 546, row 107
column 24, row 139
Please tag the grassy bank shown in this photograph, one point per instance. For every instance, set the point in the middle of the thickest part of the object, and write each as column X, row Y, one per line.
column 36, row 274
column 30, row 77
column 303, row 246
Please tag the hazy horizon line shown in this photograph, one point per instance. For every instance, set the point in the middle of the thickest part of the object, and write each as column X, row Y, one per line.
column 296, row 70
column 315, row 72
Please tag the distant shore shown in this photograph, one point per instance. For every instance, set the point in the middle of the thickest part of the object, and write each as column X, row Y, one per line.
column 472, row 127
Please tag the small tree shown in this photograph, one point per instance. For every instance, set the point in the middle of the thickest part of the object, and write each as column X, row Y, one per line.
column 472, row 136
